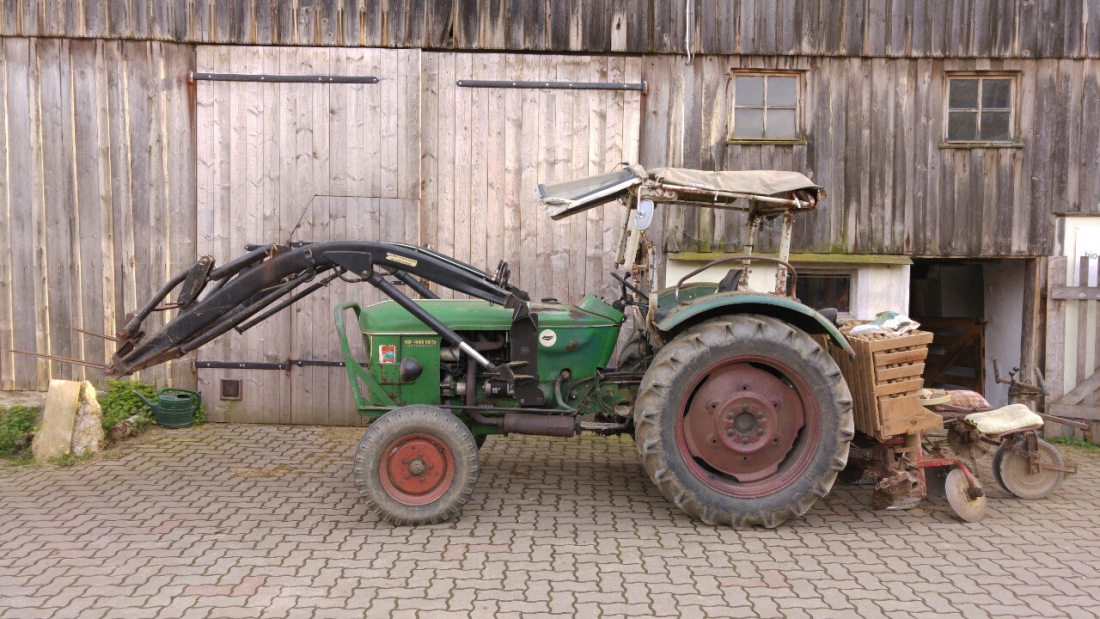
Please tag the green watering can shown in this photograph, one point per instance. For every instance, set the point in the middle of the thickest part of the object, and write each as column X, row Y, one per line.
column 174, row 407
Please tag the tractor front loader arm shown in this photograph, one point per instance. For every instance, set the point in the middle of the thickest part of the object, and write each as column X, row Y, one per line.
column 265, row 278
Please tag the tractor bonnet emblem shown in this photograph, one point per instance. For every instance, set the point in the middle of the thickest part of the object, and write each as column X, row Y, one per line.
column 548, row 338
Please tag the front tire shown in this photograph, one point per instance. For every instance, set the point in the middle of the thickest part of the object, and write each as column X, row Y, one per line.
column 416, row 465
column 743, row 420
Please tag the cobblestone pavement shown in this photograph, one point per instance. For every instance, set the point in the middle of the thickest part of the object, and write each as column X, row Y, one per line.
column 245, row 521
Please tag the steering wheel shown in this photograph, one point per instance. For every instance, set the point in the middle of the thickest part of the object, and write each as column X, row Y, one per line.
column 626, row 284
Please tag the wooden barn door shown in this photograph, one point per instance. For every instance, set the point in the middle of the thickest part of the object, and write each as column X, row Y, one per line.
column 486, row 149
column 301, row 161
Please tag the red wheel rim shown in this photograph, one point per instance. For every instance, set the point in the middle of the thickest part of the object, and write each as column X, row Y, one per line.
column 416, row 469
column 748, row 426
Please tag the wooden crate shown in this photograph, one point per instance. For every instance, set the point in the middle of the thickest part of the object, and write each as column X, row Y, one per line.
column 885, row 378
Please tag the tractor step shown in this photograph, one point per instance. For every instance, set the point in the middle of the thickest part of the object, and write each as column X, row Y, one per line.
column 602, row 427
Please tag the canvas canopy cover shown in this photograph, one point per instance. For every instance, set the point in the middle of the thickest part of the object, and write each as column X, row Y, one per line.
column 570, row 197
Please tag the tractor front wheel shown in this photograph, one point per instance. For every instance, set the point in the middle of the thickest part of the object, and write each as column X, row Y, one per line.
column 743, row 420
column 416, row 465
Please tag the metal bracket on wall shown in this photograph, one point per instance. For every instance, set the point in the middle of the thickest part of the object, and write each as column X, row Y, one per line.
column 194, row 76
column 262, row 365
column 639, row 86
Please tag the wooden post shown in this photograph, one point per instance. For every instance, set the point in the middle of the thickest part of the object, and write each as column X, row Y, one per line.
column 1056, row 337
column 1033, row 339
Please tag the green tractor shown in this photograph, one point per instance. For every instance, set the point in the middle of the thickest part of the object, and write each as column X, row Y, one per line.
column 740, row 417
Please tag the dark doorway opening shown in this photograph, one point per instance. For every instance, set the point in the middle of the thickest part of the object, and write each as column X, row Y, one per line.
column 974, row 308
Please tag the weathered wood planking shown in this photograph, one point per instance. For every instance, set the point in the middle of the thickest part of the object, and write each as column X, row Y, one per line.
column 98, row 170
column 873, row 130
column 1073, row 394
column 490, row 149
column 868, row 28
column 336, row 158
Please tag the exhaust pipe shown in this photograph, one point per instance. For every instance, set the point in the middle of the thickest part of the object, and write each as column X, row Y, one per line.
column 540, row 425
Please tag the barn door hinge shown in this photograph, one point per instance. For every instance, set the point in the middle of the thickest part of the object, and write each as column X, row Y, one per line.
column 195, row 76
column 263, row 365
column 639, row 86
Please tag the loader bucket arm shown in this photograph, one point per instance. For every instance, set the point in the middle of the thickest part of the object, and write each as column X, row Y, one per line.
column 266, row 277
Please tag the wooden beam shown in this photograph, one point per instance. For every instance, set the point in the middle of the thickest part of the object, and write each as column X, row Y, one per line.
column 1031, row 340
column 1087, row 413
column 1075, row 293
column 1056, row 329
column 1083, row 388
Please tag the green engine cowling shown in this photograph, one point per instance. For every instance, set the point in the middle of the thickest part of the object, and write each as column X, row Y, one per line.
column 408, row 363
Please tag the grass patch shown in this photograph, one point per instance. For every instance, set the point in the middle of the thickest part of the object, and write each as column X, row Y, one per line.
column 1072, row 441
column 69, row 460
column 120, row 401
column 17, row 428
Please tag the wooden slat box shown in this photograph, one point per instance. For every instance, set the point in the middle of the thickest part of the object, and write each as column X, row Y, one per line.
column 885, row 380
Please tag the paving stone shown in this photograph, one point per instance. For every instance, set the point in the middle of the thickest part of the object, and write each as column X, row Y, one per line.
column 170, row 527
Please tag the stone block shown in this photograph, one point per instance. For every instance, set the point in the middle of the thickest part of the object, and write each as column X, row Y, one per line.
column 88, row 427
column 72, row 421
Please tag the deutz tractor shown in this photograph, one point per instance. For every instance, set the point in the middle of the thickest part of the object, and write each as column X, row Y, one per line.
column 739, row 416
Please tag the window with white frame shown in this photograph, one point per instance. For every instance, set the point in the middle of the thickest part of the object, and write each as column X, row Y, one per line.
column 765, row 106
column 979, row 108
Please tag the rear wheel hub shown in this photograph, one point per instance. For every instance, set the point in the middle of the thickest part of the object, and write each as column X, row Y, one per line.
column 742, row 421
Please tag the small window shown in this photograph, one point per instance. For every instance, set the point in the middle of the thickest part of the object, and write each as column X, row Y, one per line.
column 765, row 107
column 826, row 289
column 979, row 109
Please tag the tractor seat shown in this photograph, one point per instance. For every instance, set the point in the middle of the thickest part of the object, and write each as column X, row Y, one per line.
column 831, row 314
column 730, row 281
column 1011, row 418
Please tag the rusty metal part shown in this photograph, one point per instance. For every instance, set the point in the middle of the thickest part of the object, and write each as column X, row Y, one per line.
column 965, row 495
column 965, row 441
column 755, row 452
column 1080, row 425
column 94, row 334
column 1030, row 468
column 541, row 425
column 743, row 421
column 785, row 235
column 89, row 364
column 789, row 273
column 902, row 490
column 417, row 469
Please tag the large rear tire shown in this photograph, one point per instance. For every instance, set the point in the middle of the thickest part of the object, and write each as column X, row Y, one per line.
column 743, row 420
column 416, row 465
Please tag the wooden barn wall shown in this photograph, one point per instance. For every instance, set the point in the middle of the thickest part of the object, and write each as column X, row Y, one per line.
column 892, row 28
column 97, row 194
column 873, row 127
column 302, row 162
column 485, row 150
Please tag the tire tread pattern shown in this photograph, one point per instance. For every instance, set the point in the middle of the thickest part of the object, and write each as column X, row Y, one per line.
column 410, row 420
column 656, row 400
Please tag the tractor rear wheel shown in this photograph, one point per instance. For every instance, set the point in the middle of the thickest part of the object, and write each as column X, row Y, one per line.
column 416, row 465
column 743, row 420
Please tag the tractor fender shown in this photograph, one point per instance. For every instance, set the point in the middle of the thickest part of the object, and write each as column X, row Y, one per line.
column 681, row 317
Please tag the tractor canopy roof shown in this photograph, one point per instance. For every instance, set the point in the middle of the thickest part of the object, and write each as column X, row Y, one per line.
column 570, row 197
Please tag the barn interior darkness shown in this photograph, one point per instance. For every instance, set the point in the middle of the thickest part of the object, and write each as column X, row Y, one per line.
column 974, row 308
